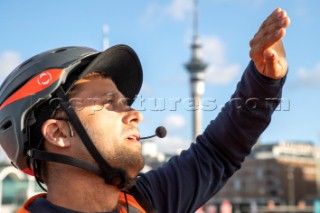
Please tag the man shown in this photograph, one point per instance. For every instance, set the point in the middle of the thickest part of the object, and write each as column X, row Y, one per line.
column 65, row 117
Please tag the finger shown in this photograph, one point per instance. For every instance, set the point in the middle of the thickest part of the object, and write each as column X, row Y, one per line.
column 269, row 19
column 266, row 31
column 258, row 48
column 275, row 16
column 277, row 19
column 261, row 35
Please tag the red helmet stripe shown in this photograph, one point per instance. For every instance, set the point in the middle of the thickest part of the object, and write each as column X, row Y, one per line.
column 36, row 84
column 28, row 171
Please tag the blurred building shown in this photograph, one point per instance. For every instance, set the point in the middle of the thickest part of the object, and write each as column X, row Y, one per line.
column 153, row 158
column 15, row 187
column 282, row 173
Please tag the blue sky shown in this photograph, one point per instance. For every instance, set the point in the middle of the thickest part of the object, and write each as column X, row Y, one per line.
column 160, row 32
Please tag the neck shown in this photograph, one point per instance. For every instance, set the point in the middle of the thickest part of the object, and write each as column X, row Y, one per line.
column 83, row 192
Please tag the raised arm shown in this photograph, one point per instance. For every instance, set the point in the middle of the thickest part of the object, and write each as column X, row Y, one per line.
column 189, row 180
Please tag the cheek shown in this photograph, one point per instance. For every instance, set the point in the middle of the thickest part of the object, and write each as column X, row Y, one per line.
column 108, row 122
column 104, row 127
column 80, row 151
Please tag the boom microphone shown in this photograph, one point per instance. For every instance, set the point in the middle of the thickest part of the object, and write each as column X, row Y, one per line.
column 161, row 132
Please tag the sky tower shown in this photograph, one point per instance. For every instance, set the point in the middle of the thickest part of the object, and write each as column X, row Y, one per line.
column 196, row 68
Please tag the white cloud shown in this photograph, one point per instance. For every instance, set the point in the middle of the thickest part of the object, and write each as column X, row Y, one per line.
column 176, row 10
column 179, row 9
column 214, row 50
column 222, row 74
column 219, row 70
column 309, row 77
column 152, row 15
column 174, row 122
column 146, row 89
column 172, row 145
column 8, row 61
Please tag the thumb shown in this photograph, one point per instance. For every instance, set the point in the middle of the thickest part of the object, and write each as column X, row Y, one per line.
column 273, row 69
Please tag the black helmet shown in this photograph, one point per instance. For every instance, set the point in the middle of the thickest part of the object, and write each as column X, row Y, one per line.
column 36, row 81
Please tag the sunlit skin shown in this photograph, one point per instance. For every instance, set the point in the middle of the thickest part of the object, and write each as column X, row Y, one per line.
column 113, row 128
column 111, row 124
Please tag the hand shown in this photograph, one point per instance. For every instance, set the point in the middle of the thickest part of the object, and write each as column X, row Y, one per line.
column 267, row 51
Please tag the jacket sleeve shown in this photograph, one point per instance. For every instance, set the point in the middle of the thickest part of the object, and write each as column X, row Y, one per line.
column 187, row 181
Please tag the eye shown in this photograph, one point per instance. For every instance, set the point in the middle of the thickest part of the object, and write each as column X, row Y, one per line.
column 108, row 102
column 123, row 104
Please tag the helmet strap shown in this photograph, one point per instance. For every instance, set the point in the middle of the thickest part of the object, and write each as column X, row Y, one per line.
column 112, row 176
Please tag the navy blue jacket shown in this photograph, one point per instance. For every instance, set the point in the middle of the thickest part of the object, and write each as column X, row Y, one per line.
column 187, row 181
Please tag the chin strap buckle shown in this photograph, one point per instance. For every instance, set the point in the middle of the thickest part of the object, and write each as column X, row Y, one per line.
column 30, row 153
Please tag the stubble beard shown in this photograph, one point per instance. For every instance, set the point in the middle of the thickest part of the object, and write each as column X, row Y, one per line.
column 118, row 154
column 128, row 160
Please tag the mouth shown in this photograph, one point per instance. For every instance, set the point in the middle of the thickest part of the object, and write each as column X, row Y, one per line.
column 133, row 137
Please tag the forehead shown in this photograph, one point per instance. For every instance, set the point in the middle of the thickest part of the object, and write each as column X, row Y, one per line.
column 95, row 87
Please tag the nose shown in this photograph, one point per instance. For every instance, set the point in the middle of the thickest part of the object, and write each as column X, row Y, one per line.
column 132, row 117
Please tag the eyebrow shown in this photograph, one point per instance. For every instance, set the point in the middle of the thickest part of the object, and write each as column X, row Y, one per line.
column 112, row 94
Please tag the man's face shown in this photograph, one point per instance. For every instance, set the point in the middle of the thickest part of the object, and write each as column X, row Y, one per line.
column 111, row 124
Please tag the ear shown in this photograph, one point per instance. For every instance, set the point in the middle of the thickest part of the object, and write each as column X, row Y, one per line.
column 56, row 132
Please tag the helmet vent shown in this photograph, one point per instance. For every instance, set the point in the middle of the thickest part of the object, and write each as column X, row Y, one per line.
column 59, row 50
column 6, row 126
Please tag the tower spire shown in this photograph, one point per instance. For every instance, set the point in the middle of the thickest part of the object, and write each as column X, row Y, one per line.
column 196, row 68
column 105, row 39
column 195, row 19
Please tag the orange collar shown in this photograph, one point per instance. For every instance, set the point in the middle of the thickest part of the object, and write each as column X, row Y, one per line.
column 123, row 199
